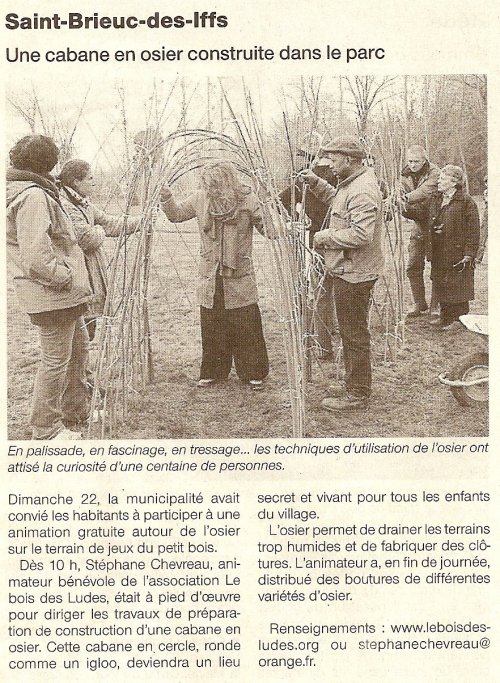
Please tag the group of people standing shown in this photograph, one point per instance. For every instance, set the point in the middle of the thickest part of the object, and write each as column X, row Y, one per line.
column 445, row 232
column 55, row 236
column 347, row 206
column 54, row 248
column 54, row 242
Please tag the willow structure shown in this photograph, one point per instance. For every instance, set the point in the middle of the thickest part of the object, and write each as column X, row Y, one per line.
column 125, row 363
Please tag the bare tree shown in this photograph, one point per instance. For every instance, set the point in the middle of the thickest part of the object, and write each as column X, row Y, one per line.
column 367, row 92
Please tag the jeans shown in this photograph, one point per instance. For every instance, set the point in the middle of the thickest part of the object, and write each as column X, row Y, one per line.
column 352, row 300
column 60, row 394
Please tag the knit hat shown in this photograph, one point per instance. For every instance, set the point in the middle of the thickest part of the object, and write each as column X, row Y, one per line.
column 348, row 146
column 454, row 172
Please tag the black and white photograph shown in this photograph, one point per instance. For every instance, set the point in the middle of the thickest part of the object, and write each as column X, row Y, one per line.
column 241, row 258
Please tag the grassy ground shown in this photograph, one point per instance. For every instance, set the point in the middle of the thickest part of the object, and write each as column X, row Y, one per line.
column 407, row 398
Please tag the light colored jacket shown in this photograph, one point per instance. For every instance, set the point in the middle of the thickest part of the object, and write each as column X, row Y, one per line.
column 225, row 246
column 46, row 262
column 352, row 244
column 92, row 226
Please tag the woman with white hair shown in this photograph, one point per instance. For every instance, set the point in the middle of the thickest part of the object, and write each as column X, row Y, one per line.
column 455, row 240
column 231, row 328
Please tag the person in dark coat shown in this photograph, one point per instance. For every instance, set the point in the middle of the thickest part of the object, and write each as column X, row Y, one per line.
column 315, row 209
column 317, row 212
column 455, row 241
column 483, row 231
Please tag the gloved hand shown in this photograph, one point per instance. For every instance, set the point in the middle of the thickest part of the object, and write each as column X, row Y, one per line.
column 296, row 228
column 318, row 244
column 402, row 203
column 302, row 217
column 307, row 176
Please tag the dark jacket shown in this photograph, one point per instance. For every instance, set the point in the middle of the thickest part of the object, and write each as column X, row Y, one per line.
column 315, row 209
column 420, row 192
column 455, row 234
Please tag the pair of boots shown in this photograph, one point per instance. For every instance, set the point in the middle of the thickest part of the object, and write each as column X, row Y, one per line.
column 339, row 400
column 420, row 307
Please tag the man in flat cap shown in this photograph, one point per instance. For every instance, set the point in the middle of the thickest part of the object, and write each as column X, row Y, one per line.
column 419, row 180
column 352, row 248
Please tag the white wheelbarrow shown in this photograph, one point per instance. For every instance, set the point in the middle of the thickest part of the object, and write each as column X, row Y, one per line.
column 468, row 380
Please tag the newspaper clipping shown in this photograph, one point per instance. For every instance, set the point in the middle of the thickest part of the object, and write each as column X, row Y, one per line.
column 247, row 408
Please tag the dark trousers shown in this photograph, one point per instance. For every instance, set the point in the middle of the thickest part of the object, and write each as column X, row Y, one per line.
column 417, row 251
column 352, row 301
column 324, row 309
column 452, row 312
column 232, row 334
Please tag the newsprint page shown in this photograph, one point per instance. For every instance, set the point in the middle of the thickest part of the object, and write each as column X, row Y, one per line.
column 248, row 430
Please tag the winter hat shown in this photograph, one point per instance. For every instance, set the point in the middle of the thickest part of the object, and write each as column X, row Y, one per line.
column 348, row 146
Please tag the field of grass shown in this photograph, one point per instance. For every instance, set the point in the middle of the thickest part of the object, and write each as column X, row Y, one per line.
column 407, row 399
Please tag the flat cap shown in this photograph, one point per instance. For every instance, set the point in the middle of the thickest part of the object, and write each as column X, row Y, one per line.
column 348, row 146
